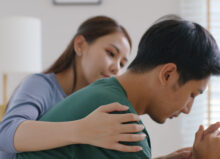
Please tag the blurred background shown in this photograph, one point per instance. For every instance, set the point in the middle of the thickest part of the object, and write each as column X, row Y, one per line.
column 58, row 21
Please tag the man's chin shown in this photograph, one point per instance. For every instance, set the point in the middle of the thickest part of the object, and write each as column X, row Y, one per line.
column 159, row 121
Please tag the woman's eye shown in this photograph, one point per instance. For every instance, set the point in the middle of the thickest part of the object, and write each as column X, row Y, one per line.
column 110, row 53
column 121, row 64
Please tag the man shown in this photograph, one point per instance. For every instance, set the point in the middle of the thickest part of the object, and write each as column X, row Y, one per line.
column 174, row 62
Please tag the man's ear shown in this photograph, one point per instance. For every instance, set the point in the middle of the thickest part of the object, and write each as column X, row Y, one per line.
column 167, row 73
column 80, row 45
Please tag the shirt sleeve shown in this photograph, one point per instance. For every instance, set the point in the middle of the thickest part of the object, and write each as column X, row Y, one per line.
column 28, row 102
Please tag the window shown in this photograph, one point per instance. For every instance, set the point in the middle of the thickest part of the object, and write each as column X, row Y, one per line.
column 214, row 113
column 206, row 108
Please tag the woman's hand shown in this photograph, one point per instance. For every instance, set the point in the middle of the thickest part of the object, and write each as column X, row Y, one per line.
column 106, row 130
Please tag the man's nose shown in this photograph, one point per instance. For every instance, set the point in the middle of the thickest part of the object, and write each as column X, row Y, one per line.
column 187, row 108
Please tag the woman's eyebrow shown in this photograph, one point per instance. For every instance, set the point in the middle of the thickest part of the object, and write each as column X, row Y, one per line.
column 116, row 48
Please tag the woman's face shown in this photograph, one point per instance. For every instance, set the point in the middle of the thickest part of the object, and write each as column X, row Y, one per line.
column 104, row 57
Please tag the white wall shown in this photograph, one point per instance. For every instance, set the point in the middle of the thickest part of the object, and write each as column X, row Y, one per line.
column 59, row 24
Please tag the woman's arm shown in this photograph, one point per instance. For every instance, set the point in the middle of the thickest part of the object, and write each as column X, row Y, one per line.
column 19, row 130
column 99, row 128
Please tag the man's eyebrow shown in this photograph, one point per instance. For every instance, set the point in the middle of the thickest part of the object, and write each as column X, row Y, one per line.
column 118, row 51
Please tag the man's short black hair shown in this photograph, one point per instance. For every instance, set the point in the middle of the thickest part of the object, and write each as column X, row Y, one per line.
column 186, row 44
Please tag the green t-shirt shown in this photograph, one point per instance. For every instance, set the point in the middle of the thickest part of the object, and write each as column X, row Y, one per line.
column 79, row 105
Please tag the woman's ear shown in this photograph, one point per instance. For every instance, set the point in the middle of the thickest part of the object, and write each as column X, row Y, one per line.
column 79, row 45
column 168, row 72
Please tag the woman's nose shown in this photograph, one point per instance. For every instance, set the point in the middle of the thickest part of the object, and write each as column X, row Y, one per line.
column 115, row 68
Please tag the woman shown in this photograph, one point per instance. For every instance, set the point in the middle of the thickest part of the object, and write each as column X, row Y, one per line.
column 99, row 49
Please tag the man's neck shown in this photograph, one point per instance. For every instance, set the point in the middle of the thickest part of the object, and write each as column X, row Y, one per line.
column 138, row 90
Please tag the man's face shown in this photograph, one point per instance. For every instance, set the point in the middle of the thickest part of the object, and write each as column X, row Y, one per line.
column 176, row 99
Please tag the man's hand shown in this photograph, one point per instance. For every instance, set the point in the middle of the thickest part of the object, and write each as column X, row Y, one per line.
column 211, row 129
column 204, row 141
column 184, row 153
column 207, row 143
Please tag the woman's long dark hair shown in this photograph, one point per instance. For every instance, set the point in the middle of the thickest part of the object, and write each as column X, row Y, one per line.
column 92, row 29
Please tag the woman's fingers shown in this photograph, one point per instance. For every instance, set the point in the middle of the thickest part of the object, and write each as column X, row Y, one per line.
column 131, row 137
column 113, row 107
column 125, row 148
column 131, row 128
column 105, row 129
column 128, row 117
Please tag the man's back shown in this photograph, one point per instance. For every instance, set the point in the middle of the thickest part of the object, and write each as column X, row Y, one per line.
column 79, row 105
